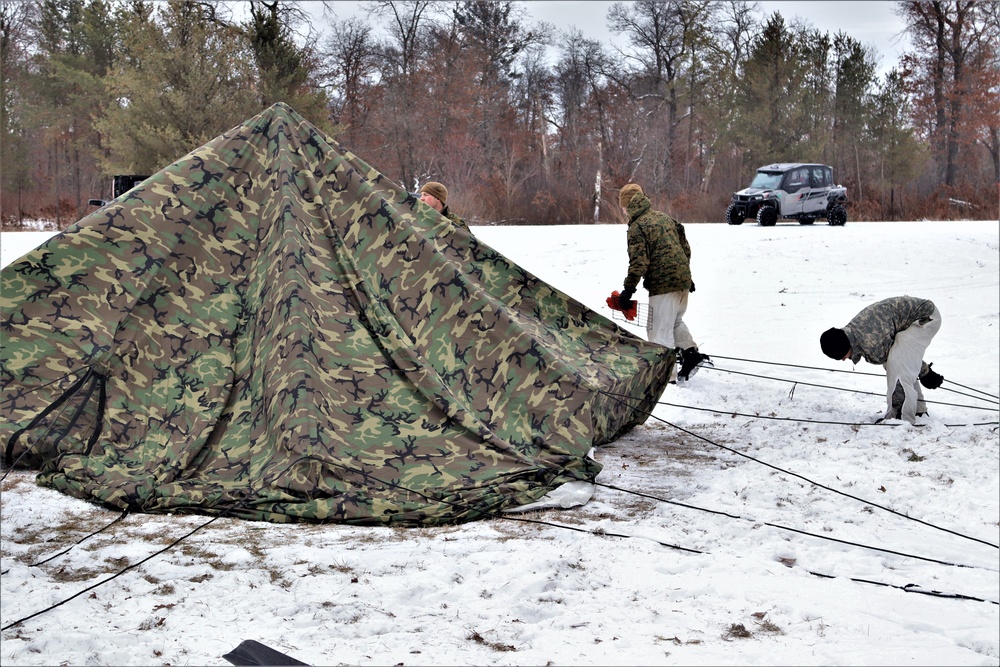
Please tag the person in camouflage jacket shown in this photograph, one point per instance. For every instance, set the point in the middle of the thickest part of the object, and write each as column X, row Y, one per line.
column 435, row 195
column 659, row 254
column 895, row 333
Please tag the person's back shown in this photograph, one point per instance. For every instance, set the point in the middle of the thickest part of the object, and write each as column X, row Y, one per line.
column 659, row 255
column 872, row 331
column 658, row 240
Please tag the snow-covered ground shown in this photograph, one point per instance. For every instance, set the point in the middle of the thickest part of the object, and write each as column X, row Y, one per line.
column 758, row 518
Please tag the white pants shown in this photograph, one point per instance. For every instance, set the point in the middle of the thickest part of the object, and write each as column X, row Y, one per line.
column 903, row 367
column 665, row 324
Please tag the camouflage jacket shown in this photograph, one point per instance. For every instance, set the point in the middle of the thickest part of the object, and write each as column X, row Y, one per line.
column 446, row 212
column 873, row 330
column 658, row 250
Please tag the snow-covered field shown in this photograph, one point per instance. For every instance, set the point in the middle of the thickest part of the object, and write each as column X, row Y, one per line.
column 758, row 518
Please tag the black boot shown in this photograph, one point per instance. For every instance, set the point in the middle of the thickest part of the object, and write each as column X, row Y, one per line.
column 691, row 360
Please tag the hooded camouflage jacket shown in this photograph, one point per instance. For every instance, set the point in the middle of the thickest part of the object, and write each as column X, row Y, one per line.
column 658, row 250
column 873, row 330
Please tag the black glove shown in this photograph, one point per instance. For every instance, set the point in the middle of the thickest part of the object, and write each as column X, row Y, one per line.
column 930, row 379
column 625, row 299
column 692, row 286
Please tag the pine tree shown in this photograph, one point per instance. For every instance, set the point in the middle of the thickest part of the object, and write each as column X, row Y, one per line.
column 181, row 82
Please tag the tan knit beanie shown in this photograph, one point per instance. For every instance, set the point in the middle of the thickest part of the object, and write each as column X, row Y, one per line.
column 626, row 194
column 436, row 190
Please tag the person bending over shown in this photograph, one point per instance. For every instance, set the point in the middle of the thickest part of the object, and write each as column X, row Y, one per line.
column 895, row 333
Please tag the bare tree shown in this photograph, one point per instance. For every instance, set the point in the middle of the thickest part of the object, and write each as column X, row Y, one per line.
column 734, row 28
column 405, row 20
column 350, row 57
column 949, row 37
column 662, row 34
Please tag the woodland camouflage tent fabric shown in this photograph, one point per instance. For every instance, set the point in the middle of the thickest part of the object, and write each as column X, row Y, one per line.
column 268, row 328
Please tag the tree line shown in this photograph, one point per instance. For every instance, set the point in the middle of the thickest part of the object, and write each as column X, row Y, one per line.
column 523, row 123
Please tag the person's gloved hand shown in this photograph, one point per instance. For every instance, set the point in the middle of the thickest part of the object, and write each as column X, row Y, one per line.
column 930, row 379
column 625, row 301
column 692, row 286
column 630, row 308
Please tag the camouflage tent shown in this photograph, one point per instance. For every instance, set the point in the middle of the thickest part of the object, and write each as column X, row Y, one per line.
column 269, row 328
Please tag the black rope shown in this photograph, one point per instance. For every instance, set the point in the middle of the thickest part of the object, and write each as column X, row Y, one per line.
column 978, row 391
column 599, row 532
column 481, row 513
column 793, row 530
column 114, row 576
column 619, row 398
column 30, row 391
column 881, row 424
column 853, row 372
column 77, row 543
column 811, row 368
column 853, row 391
column 972, row 396
column 908, row 588
column 228, row 510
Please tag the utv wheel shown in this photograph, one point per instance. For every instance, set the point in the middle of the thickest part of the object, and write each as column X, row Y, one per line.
column 837, row 215
column 732, row 217
column 767, row 216
column 806, row 221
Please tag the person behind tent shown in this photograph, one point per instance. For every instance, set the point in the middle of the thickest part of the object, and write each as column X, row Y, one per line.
column 660, row 255
column 435, row 195
column 895, row 333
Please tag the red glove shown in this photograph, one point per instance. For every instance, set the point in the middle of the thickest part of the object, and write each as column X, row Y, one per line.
column 614, row 303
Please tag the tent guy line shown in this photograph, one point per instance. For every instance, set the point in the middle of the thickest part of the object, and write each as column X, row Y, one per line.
column 804, row 478
column 996, row 399
column 882, row 424
column 978, row 391
column 619, row 397
column 909, row 588
column 808, row 368
column 853, row 391
column 115, row 575
column 973, row 397
column 80, row 541
column 488, row 514
column 226, row 511
column 796, row 530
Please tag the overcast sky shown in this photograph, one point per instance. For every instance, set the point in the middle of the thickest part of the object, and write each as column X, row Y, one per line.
column 871, row 22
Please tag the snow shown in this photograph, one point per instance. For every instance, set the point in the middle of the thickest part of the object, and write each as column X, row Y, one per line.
column 776, row 524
